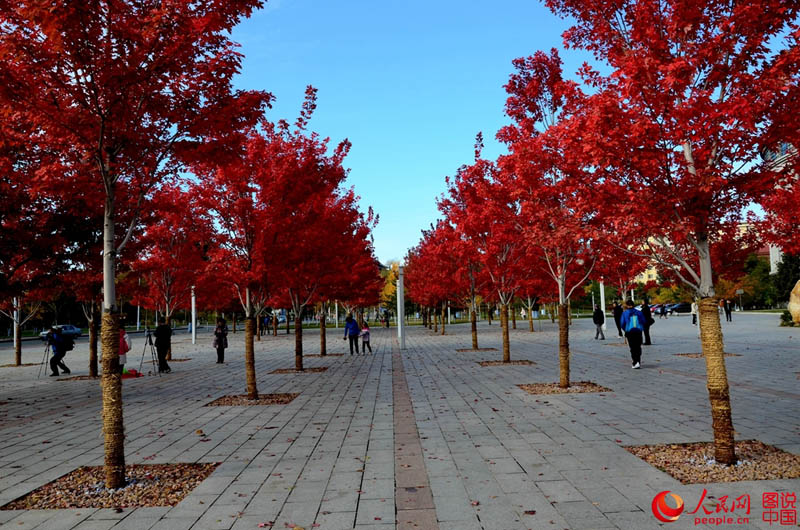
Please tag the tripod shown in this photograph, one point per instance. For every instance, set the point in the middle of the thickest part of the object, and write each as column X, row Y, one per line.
column 44, row 359
column 148, row 341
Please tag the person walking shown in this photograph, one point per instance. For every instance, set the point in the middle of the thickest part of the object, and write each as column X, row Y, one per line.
column 351, row 331
column 124, row 347
column 727, row 306
column 632, row 321
column 365, row 338
column 617, row 312
column 163, row 334
column 694, row 313
column 221, row 339
column 599, row 319
column 58, row 349
column 648, row 321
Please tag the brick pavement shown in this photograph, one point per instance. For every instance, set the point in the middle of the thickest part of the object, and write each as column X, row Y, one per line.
column 492, row 454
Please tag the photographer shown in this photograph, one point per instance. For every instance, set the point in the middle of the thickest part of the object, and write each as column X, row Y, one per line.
column 163, row 336
column 58, row 348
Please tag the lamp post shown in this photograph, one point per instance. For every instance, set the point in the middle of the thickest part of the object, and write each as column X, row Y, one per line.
column 401, row 310
column 194, row 317
column 603, row 302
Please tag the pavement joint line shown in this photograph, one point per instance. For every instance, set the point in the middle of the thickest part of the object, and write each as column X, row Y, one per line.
column 413, row 503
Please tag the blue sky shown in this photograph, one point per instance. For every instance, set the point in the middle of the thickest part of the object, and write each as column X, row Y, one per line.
column 409, row 83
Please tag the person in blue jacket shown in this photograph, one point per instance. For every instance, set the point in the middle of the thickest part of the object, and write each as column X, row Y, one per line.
column 633, row 322
column 351, row 331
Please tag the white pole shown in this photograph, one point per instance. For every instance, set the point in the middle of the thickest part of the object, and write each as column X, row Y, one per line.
column 449, row 319
column 16, row 320
column 194, row 317
column 603, row 302
column 336, row 325
column 138, row 308
column 401, row 310
column 632, row 297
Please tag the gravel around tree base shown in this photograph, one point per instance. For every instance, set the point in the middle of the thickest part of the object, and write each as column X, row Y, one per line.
column 79, row 378
column 148, row 485
column 575, row 387
column 700, row 355
column 304, row 371
column 244, row 401
column 693, row 463
column 510, row 363
column 323, row 356
column 462, row 350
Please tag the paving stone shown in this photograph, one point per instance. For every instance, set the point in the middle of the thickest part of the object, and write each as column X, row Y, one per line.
column 466, row 432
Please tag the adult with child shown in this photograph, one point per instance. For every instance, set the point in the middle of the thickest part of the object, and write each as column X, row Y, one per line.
column 221, row 339
column 632, row 321
column 351, row 331
column 163, row 335
column 365, row 338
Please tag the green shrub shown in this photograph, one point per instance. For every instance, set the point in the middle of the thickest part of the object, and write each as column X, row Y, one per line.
column 786, row 319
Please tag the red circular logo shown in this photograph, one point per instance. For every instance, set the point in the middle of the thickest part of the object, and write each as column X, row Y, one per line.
column 664, row 512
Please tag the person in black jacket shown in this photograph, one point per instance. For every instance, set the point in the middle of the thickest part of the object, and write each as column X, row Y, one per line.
column 617, row 315
column 648, row 321
column 163, row 334
column 599, row 319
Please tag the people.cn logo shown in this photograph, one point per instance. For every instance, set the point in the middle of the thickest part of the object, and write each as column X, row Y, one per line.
column 664, row 512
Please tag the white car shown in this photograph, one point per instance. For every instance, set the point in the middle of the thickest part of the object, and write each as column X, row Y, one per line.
column 68, row 330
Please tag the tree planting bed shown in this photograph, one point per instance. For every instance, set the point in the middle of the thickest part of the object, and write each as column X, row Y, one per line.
column 147, row 486
column 693, row 463
column 576, row 387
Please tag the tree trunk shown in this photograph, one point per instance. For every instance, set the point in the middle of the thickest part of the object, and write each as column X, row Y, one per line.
column 298, row 341
column 111, row 382
column 259, row 327
column 553, row 313
column 489, row 313
column 169, row 350
column 111, row 387
column 444, row 316
column 424, row 318
column 18, row 343
column 323, row 345
column 717, row 382
column 93, row 372
column 287, row 322
column 563, row 345
column 234, row 322
column 435, row 321
column 274, row 325
column 431, row 318
column 530, row 319
column 513, row 311
column 473, row 323
column 504, row 327
column 250, row 358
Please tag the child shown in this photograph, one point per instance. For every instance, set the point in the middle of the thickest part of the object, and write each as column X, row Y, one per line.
column 365, row 338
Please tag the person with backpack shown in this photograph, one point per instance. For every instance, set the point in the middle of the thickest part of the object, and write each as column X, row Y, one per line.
column 59, row 345
column 632, row 321
column 351, row 331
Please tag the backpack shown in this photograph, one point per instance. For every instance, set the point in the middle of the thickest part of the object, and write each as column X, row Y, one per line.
column 633, row 322
column 69, row 342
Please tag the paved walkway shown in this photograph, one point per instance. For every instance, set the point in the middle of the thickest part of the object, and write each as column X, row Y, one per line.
column 423, row 438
